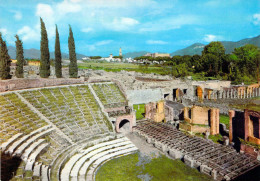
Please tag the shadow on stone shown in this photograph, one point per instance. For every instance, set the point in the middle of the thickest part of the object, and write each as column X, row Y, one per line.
column 8, row 166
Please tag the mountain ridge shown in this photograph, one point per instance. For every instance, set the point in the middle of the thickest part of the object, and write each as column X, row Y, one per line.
column 33, row 53
column 197, row 48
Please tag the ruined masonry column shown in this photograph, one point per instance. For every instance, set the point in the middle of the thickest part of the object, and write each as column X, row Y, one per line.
column 227, row 94
column 246, row 116
column 258, row 91
column 244, row 93
column 219, row 95
column 231, row 93
column 231, row 115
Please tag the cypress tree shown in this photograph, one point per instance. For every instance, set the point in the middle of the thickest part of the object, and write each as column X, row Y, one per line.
column 45, row 54
column 73, row 67
column 5, row 60
column 58, row 67
column 19, row 57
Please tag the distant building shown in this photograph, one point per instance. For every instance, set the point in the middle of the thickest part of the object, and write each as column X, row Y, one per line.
column 34, row 62
column 13, row 62
column 85, row 58
column 120, row 52
column 154, row 55
column 111, row 58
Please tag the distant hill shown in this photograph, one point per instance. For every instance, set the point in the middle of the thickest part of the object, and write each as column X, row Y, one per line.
column 36, row 54
column 135, row 54
column 197, row 48
column 194, row 49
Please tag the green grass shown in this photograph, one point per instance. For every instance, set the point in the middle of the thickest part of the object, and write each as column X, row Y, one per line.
column 224, row 119
column 117, row 67
column 130, row 168
column 140, row 111
column 216, row 138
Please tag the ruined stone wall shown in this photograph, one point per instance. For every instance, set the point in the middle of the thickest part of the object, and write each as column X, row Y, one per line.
column 144, row 96
column 17, row 84
column 193, row 128
column 199, row 115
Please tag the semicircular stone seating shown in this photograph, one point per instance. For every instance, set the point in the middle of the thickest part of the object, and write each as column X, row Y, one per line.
column 82, row 165
column 38, row 125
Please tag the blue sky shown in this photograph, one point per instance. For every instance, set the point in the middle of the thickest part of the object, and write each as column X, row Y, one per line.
column 101, row 27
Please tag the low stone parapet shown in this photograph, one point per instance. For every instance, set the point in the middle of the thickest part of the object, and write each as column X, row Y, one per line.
column 17, row 84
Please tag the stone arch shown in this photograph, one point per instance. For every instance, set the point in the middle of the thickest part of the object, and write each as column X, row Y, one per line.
column 125, row 123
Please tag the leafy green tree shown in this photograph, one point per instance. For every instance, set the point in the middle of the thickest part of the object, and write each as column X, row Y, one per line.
column 58, row 66
column 216, row 48
column 19, row 57
column 95, row 57
column 45, row 54
column 246, row 57
column 212, row 56
column 73, row 67
column 5, row 60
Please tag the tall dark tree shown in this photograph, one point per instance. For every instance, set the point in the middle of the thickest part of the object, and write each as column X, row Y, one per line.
column 19, row 58
column 45, row 54
column 5, row 60
column 58, row 67
column 73, row 67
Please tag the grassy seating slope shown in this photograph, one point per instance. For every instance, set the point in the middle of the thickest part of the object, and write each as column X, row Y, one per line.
column 109, row 94
column 16, row 117
column 73, row 109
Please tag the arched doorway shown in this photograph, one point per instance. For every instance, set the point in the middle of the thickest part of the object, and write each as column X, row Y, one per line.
column 124, row 126
column 125, row 123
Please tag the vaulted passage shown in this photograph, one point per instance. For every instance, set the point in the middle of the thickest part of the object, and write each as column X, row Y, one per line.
column 124, row 126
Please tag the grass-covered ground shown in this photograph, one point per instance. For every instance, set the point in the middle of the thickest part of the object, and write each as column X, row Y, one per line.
column 136, row 167
column 224, row 119
column 117, row 67
column 140, row 110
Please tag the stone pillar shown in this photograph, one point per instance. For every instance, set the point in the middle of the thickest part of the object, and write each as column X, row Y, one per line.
column 244, row 93
column 214, row 121
column 219, row 94
column 186, row 112
column 259, row 128
column 258, row 91
column 246, row 116
column 231, row 93
column 231, row 115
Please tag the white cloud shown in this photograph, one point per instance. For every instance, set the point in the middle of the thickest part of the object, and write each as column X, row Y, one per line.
column 210, row 38
column 256, row 19
column 28, row 34
column 86, row 30
column 3, row 31
column 68, row 7
column 169, row 23
column 156, row 42
column 75, row 1
column 8, row 36
column 99, row 43
column 18, row 15
column 122, row 24
column 46, row 12
column 104, row 42
column 117, row 3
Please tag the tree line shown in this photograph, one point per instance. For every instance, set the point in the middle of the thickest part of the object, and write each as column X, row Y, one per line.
column 242, row 65
column 5, row 60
